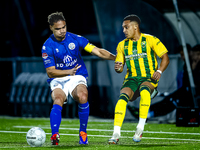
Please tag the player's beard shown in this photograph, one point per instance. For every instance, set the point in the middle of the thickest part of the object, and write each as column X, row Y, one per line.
column 61, row 37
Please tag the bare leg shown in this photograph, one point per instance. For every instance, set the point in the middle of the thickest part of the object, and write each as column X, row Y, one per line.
column 58, row 97
column 80, row 94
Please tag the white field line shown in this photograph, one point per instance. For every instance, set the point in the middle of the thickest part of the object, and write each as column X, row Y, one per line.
column 90, row 124
column 152, row 138
column 112, row 130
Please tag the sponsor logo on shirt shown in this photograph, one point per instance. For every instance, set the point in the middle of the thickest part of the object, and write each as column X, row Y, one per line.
column 48, row 61
column 135, row 55
column 67, row 61
column 44, row 55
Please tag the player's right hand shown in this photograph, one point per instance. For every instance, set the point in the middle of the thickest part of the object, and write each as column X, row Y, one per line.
column 118, row 67
column 73, row 70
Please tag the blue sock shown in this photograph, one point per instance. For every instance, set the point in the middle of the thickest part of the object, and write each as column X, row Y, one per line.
column 55, row 118
column 83, row 113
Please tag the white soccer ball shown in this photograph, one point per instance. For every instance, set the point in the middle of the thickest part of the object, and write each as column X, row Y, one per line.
column 35, row 137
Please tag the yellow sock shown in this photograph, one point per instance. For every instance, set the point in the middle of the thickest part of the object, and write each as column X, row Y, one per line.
column 120, row 109
column 145, row 101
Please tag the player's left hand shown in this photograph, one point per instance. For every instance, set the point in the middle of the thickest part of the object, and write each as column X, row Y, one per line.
column 73, row 70
column 156, row 75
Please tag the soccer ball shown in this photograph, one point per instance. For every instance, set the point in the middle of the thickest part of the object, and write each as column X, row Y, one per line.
column 35, row 137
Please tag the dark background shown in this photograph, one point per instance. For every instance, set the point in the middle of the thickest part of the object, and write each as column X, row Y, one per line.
column 79, row 14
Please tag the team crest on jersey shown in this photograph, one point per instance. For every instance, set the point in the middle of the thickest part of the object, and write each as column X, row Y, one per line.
column 71, row 46
column 143, row 44
column 125, row 47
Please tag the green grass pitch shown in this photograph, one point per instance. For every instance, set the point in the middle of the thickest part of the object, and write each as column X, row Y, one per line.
column 156, row 136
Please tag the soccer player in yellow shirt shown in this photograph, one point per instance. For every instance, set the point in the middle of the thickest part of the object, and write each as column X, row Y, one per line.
column 139, row 51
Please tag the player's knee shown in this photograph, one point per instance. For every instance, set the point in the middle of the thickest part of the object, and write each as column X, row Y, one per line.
column 59, row 100
column 124, row 96
column 58, row 97
column 82, row 97
column 144, row 87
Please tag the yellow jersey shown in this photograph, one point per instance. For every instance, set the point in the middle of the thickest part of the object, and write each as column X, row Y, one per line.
column 140, row 56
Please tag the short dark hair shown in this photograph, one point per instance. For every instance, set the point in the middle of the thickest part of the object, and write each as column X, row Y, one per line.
column 55, row 17
column 180, row 48
column 196, row 48
column 133, row 17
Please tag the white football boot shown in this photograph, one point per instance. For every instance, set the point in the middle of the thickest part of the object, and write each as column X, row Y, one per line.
column 138, row 135
column 114, row 139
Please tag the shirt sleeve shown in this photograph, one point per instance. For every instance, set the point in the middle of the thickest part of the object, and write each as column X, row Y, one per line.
column 84, row 43
column 81, row 40
column 158, row 46
column 120, row 53
column 48, row 56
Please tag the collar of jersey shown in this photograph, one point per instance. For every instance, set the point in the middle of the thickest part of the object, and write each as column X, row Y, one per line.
column 63, row 41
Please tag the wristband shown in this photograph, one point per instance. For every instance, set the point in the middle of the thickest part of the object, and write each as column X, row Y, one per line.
column 159, row 71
